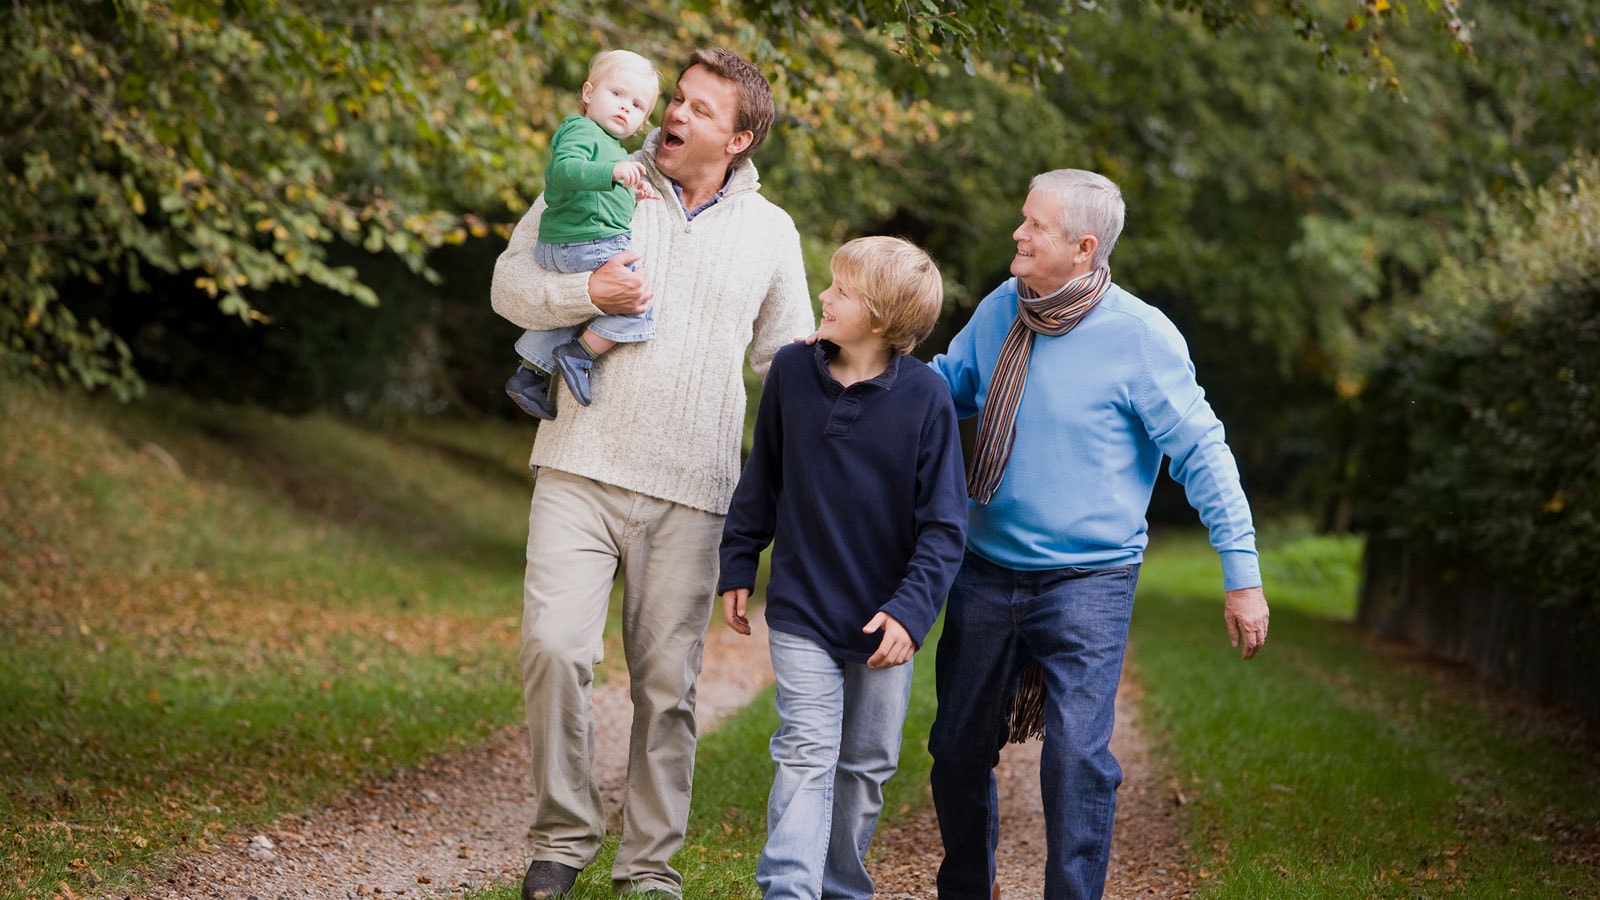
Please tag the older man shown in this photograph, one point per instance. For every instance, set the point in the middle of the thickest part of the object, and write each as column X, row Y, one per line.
column 1082, row 388
column 641, row 480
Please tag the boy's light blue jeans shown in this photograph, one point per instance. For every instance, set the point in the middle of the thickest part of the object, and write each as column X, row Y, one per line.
column 838, row 741
column 583, row 256
column 1074, row 622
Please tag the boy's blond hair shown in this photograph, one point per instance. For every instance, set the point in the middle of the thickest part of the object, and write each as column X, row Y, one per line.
column 898, row 285
column 607, row 61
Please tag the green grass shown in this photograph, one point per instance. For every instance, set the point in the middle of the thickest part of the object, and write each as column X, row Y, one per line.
column 1335, row 766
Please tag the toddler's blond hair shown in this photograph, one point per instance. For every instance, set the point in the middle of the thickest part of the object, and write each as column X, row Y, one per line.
column 607, row 61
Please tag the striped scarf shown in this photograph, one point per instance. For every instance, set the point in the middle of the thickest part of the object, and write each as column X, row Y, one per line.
column 1054, row 315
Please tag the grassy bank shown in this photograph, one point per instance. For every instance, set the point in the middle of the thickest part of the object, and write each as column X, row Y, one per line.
column 210, row 616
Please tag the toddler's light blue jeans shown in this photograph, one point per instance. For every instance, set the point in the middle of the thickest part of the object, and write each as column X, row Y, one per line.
column 583, row 256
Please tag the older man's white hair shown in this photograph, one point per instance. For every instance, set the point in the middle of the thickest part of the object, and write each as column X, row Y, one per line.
column 1090, row 204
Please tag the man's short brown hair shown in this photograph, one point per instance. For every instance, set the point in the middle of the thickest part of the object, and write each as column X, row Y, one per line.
column 755, row 112
column 898, row 284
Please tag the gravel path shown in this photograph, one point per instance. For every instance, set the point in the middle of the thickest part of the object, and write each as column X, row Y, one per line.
column 459, row 822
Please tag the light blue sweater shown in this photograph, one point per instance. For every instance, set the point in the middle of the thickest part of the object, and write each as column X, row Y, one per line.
column 1102, row 404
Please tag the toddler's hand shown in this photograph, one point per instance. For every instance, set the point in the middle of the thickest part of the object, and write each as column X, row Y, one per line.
column 629, row 173
column 897, row 645
column 643, row 191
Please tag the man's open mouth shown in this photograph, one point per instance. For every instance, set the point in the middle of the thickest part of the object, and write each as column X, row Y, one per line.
column 670, row 141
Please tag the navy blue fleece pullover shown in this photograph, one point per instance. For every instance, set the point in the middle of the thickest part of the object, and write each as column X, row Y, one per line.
column 861, row 492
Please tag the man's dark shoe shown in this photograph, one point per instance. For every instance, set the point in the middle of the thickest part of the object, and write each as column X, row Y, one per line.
column 574, row 363
column 529, row 389
column 548, row 880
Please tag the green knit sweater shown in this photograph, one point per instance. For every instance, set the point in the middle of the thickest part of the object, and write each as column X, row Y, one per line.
column 585, row 204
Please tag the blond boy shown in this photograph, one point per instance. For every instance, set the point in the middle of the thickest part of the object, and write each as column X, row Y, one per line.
column 856, row 479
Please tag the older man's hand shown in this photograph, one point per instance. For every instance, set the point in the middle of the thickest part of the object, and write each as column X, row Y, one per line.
column 1245, row 611
column 616, row 289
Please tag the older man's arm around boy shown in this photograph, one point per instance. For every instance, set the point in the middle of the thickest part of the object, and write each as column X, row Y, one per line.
column 856, row 480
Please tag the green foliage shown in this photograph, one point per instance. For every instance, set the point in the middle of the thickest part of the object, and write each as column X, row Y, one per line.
column 1485, row 409
column 232, row 145
column 207, row 176
column 1035, row 36
column 1277, row 213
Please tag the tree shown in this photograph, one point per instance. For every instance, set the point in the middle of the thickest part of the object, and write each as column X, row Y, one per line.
column 233, row 143
column 1035, row 36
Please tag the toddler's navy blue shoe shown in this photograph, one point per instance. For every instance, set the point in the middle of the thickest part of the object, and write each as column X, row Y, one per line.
column 529, row 389
column 575, row 362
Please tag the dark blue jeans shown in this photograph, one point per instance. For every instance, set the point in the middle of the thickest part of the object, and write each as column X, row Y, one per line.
column 1074, row 622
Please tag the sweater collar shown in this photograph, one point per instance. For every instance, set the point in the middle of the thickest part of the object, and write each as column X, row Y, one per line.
column 824, row 350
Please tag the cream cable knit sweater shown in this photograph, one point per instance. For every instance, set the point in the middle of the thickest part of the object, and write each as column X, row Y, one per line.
column 668, row 413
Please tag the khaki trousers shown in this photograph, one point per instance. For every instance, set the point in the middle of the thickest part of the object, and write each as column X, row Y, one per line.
column 580, row 532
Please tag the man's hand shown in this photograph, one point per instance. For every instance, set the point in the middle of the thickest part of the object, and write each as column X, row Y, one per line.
column 1245, row 611
column 896, row 647
column 733, row 609
column 617, row 289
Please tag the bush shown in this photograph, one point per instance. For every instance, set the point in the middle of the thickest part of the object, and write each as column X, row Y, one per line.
column 1484, row 416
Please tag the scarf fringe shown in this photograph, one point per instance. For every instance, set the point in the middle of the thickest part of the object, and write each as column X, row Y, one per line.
column 1027, row 710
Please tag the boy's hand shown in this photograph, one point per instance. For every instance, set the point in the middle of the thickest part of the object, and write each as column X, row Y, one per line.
column 733, row 609
column 628, row 172
column 897, row 645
